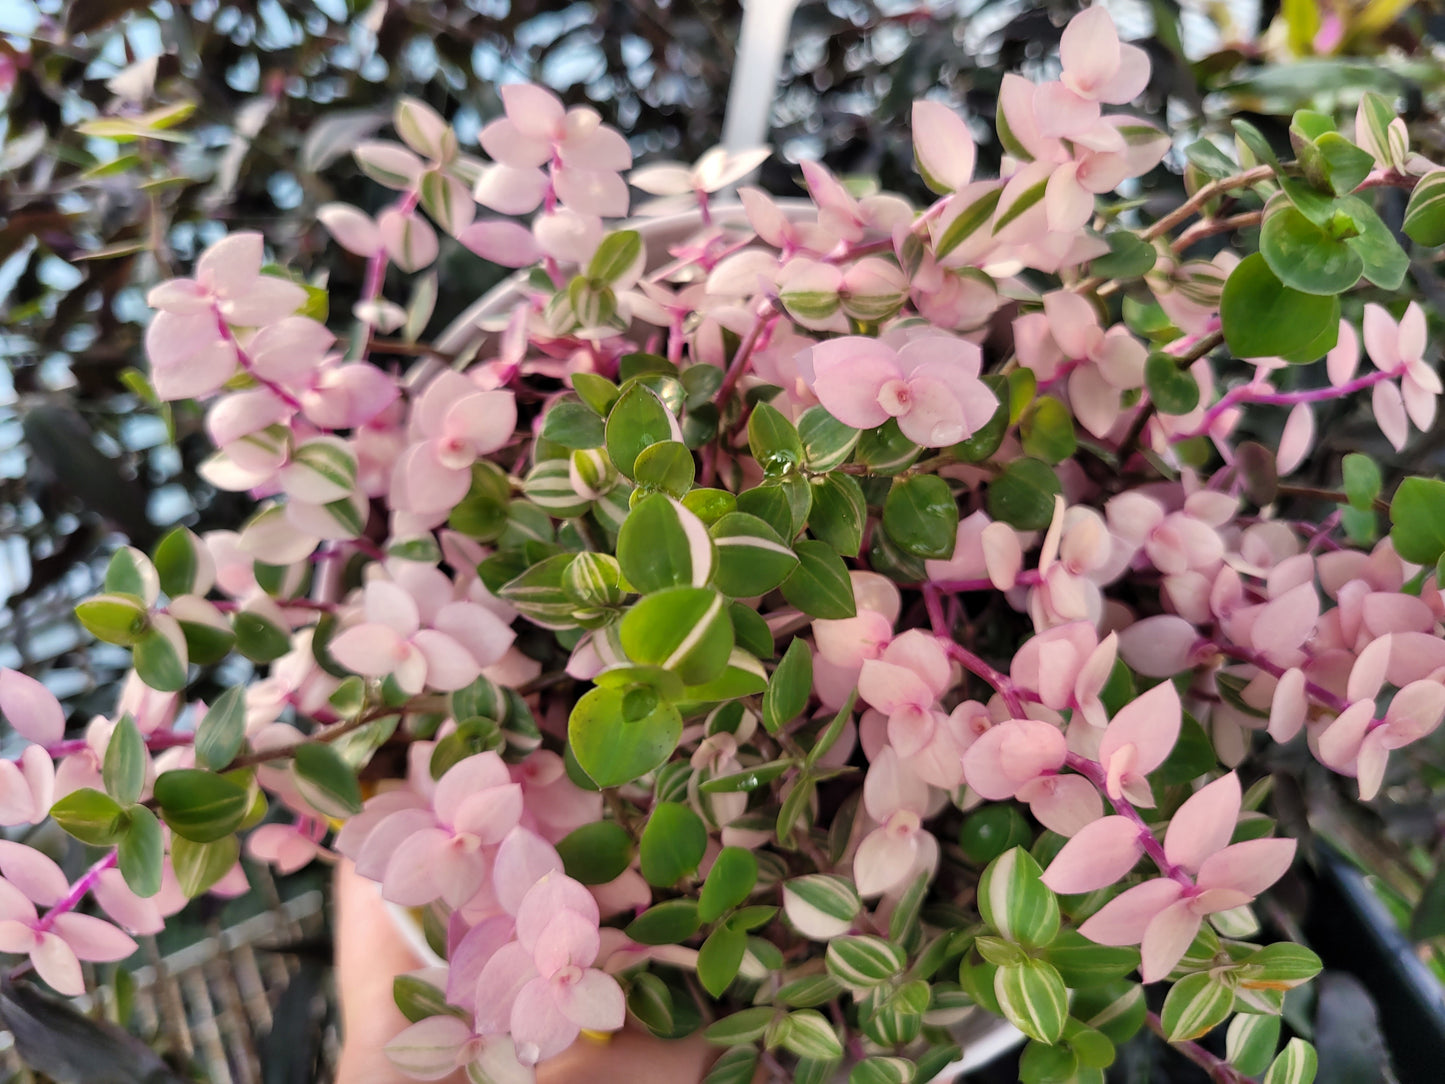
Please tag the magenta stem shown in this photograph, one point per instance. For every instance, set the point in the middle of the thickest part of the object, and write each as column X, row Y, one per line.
column 77, row 893
column 1250, row 393
column 161, row 739
column 744, row 355
column 1095, row 774
column 1000, row 681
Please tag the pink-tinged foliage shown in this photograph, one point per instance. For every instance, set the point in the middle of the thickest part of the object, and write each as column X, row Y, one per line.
column 1137, row 740
column 30, row 708
column 930, row 385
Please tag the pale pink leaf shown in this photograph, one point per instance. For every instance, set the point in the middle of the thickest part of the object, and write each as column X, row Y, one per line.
column 1166, row 939
column 1204, row 823
column 1123, row 919
column 1295, row 441
column 30, row 708
column 1249, row 867
column 1098, row 855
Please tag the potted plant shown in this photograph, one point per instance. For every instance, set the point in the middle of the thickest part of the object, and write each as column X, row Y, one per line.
column 857, row 619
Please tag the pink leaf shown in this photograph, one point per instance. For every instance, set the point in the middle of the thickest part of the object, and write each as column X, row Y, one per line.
column 431, row 1048
column 849, row 375
column 33, row 873
column 506, row 244
column 942, row 144
column 1249, row 867
column 1389, row 408
column 1008, row 755
column 1122, row 920
column 56, row 963
column 30, row 708
column 1342, row 361
column 1098, row 855
column 1339, row 744
column 883, row 861
column 1415, row 712
column 1063, row 803
column 522, row 860
column 1204, row 823
column 1295, row 441
column 1166, row 939
column 539, row 1027
column 1089, row 49
column 1288, row 705
column 93, row 938
column 1150, row 723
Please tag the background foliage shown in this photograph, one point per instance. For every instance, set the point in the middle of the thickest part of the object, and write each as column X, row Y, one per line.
column 259, row 103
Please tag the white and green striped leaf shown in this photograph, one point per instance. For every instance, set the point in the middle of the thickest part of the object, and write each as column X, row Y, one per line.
column 1032, row 995
column 1015, row 902
column 1196, row 1005
column 1297, row 1064
column 861, row 963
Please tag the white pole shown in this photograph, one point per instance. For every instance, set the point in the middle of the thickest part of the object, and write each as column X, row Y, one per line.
column 755, row 78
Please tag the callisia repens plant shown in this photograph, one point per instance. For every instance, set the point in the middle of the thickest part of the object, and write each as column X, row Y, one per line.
column 828, row 622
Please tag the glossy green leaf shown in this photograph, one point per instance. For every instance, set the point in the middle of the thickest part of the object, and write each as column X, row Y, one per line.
column 1046, row 430
column 1304, row 256
column 839, row 513
column 258, row 639
column 736, row 1066
column 420, row 1000
column 636, row 421
column 789, row 688
column 827, row 443
column 1263, row 317
column 142, row 852
column 596, row 853
column 662, row 544
column 1385, row 262
column 1128, row 258
column 325, row 780
column 719, row 958
column 751, row 557
column 987, row 439
column 124, row 768
column 160, row 659
column 733, row 874
column 200, row 865
column 113, row 618
column 672, row 844
column 1082, row 963
column 222, row 731
column 773, row 440
column 1417, row 517
column 1250, row 1042
column 618, row 735
column 1171, row 389
column 200, row 806
column 620, row 255
column 179, row 558
column 90, row 816
column 1425, row 213
column 685, row 630
column 921, row 515
column 667, row 466
column 130, row 572
column 1023, row 494
column 820, row 586
column 666, row 923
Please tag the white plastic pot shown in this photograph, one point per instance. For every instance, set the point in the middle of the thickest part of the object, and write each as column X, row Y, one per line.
column 982, row 1035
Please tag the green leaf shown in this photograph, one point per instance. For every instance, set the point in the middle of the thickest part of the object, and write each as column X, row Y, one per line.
column 1046, row 430
column 1252, row 138
column 200, row 806
column 326, row 781
column 650, row 1001
column 751, row 558
column 820, row 586
column 921, row 515
column 684, row 630
column 1172, row 390
column 1196, row 1004
column 618, row 735
column 91, row 817
column 1297, row 1063
column 539, row 592
column 1304, row 256
column 821, row 898
column 1250, row 1042
column 1262, row 317
column 774, row 442
column 1081, row 962
column 177, row 561
column 223, row 730
column 737, row 1066
column 573, row 425
column 130, row 572
column 1282, row 965
column 1129, row 257
column 1417, row 518
column 992, row 829
column 809, row 1035
column 1362, row 481
column 882, row 1070
column 159, row 660
column 1033, row 998
column 733, row 874
column 115, row 619
column 200, row 865
column 142, row 852
column 886, row 450
column 839, row 513
column 1013, row 899
column 789, row 688
column 636, row 421
column 751, row 631
column 617, row 256
column 1385, row 262
column 1023, row 494
column 124, row 769
column 673, row 844
column 259, row 639
column 420, row 1000
column 596, row 853
column 746, row 1026
column 862, row 962
column 719, row 959
column 667, row 466
column 662, row 544
column 666, row 923
column 827, row 442
column 1425, row 213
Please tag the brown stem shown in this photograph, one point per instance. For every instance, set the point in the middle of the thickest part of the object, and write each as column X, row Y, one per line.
column 401, row 346
column 1211, row 226
column 1220, row 1071
column 329, row 734
column 1335, row 496
column 1192, row 205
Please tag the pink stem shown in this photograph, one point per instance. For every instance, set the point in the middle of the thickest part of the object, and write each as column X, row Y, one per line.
column 1247, row 393
column 77, row 892
column 1323, row 695
column 974, row 665
column 1095, row 774
column 744, row 355
column 161, row 739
